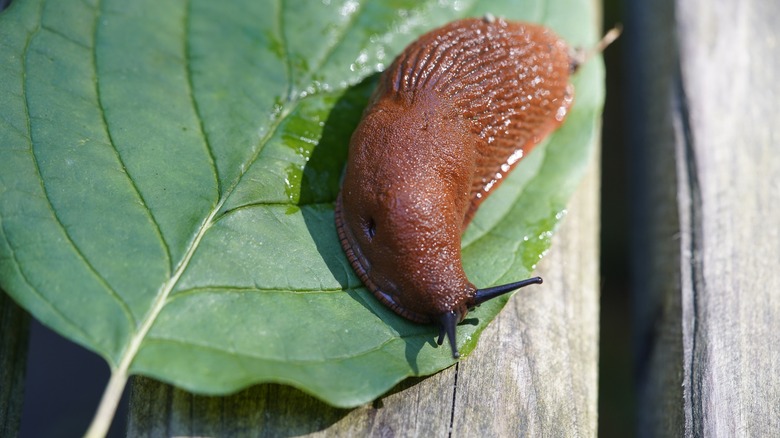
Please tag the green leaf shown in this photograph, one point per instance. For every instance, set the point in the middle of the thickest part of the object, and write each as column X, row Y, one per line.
column 167, row 174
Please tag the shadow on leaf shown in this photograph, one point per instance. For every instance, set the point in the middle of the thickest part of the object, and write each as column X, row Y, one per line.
column 320, row 184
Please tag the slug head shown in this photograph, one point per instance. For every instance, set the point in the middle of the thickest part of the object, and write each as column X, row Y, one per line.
column 402, row 204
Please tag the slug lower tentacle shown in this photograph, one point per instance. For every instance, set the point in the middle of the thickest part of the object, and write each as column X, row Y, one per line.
column 450, row 118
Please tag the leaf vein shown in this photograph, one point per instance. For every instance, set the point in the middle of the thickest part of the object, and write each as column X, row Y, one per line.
column 140, row 336
column 286, row 360
column 256, row 289
column 65, row 37
column 52, row 308
column 30, row 143
column 343, row 31
column 104, row 121
column 240, row 208
column 11, row 127
column 286, row 47
column 191, row 94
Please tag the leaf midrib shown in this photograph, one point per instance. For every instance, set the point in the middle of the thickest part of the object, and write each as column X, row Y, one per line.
column 161, row 299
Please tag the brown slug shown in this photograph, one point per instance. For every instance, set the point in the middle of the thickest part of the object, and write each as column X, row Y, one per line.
column 449, row 119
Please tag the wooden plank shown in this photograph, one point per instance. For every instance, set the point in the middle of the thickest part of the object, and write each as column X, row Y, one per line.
column 14, row 329
column 716, row 321
column 728, row 132
column 533, row 373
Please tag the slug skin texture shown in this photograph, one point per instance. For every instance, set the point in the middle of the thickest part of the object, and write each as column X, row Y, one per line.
column 448, row 121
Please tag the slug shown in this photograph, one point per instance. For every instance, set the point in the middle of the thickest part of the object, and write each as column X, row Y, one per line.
column 452, row 115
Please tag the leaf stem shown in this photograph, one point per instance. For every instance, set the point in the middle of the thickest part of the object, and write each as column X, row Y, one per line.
column 108, row 403
column 119, row 376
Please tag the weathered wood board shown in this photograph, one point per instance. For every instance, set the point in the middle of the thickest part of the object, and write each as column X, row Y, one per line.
column 706, row 132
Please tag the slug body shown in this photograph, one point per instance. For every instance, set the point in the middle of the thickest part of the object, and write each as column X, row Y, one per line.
column 449, row 119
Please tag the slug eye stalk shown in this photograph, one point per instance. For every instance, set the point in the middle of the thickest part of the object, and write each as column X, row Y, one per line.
column 489, row 293
column 449, row 320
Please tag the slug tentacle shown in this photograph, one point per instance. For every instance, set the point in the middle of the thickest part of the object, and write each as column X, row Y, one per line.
column 489, row 293
column 447, row 323
column 448, row 320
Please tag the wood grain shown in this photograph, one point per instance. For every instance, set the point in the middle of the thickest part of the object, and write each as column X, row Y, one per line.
column 728, row 135
column 712, row 335
column 534, row 372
